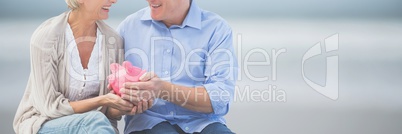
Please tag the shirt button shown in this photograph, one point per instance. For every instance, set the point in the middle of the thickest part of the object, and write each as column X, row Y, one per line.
column 186, row 128
column 166, row 72
column 168, row 51
column 171, row 112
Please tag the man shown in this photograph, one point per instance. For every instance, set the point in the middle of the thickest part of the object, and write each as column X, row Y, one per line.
column 191, row 52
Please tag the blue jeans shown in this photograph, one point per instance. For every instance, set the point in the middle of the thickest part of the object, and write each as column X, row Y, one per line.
column 167, row 128
column 87, row 123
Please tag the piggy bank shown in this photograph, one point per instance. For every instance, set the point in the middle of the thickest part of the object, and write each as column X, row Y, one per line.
column 121, row 74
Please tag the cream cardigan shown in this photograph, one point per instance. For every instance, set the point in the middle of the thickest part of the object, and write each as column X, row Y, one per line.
column 45, row 96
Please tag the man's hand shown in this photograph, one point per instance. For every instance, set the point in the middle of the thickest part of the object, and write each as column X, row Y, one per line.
column 141, row 103
column 147, row 88
column 151, row 87
column 141, row 107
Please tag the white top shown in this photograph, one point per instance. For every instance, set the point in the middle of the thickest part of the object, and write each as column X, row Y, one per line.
column 84, row 83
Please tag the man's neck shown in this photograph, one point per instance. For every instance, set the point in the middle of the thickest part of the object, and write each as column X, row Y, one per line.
column 179, row 16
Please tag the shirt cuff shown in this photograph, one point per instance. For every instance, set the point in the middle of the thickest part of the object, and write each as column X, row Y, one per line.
column 219, row 97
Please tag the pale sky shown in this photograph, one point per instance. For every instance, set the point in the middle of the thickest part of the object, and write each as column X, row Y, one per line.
column 228, row 8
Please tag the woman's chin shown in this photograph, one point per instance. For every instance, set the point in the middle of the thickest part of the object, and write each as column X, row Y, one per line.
column 103, row 17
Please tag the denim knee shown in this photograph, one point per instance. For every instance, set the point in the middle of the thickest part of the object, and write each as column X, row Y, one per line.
column 95, row 121
column 161, row 128
column 85, row 123
column 216, row 128
column 94, row 116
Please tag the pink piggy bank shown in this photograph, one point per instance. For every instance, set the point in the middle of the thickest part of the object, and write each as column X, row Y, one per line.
column 122, row 74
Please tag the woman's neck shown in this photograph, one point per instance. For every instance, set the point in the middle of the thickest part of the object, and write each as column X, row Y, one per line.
column 82, row 25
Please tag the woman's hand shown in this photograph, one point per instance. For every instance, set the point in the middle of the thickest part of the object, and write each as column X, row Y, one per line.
column 142, row 107
column 116, row 102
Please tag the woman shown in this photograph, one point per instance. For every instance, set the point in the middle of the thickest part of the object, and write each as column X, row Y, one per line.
column 70, row 57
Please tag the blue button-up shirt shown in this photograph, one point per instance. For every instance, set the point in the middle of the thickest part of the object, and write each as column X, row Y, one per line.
column 197, row 53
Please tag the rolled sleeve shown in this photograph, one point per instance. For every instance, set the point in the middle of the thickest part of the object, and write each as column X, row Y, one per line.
column 221, row 71
column 220, row 95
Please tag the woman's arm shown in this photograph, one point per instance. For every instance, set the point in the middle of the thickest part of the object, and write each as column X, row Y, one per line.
column 46, row 95
column 111, row 100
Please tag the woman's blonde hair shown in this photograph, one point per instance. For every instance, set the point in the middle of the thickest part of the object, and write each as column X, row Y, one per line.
column 72, row 4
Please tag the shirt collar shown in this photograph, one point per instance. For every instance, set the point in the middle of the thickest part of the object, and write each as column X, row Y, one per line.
column 147, row 15
column 193, row 18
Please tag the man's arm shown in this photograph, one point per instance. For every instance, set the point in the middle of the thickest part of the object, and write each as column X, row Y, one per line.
column 214, row 96
column 192, row 98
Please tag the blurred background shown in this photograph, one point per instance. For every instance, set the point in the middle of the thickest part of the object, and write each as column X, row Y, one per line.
column 370, row 61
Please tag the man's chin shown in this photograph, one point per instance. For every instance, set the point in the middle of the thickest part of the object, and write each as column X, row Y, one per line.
column 157, row 18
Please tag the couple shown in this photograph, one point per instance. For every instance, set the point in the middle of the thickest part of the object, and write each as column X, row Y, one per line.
column 189, row 49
